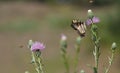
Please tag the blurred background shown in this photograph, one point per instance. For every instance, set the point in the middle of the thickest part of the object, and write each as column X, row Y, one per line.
column 45, row 20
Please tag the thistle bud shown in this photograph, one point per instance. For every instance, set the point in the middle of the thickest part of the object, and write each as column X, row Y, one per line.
column 82, row 71
column 30, row 42
column 63, row 37
column 63, row 41
column 114, row 46
column 26, row 71
column 78, row 39
column 90, row 14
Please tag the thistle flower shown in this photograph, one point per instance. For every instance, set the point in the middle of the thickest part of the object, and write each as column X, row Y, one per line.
column 36, row 46
column 93, row 20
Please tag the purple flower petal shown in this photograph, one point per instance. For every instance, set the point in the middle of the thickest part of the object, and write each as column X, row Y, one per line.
column 37, row 46
column 88, row 22
column 94, row 20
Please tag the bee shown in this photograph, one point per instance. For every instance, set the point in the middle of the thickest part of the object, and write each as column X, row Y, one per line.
column 79, row 26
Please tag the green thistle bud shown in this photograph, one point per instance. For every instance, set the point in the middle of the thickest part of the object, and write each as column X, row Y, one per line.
column 82, row 71
column 114, row 46
column 63, row 41
column 90, row 14
column 78, row 40
column 30, row 42
column 26, row 71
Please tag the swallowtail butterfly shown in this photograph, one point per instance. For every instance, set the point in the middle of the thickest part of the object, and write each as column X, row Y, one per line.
column 79, row 26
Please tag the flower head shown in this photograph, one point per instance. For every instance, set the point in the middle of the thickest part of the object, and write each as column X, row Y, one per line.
column 93, row 20
column 63, row 37
column 36, row 46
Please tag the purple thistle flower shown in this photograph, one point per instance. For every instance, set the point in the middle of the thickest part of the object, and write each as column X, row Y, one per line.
column 93, row 20
column 37, row 46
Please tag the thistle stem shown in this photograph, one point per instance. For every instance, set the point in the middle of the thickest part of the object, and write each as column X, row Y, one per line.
column 77, row 57
column 40, row 64
column 96, row 51
column 65, row 60
column 96, row 55
column 37, row 63
column 110, row 63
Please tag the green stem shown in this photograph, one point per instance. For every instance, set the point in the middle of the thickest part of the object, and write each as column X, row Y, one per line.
column 77, row 57
column 96, row 51
column 64, row 56
column 40, row 64
column 96, row 55
column 35, row 63
column 110, row 63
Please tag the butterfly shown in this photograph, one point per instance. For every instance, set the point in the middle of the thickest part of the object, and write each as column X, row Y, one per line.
column 79, row 26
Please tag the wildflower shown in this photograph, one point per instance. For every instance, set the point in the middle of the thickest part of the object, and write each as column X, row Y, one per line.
column 63, row 45
column 36, row 46
column 93, row 20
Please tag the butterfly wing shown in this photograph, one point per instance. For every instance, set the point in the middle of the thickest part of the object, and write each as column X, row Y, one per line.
column 79, row 26
column 81, row 29
column 74, row 24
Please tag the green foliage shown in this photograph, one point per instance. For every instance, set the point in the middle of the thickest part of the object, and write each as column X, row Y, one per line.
column 19, row 26
column 114, row 24
column 58, row 22
column 102, row 2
